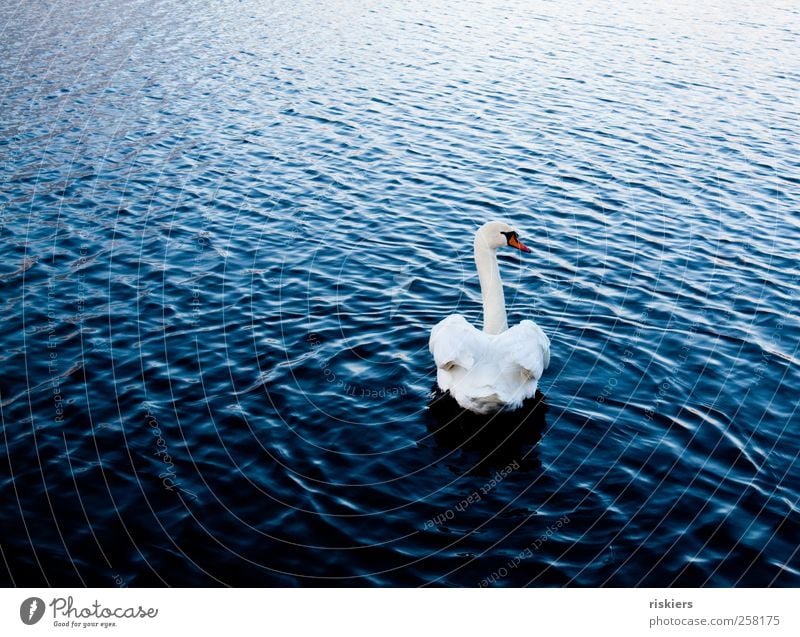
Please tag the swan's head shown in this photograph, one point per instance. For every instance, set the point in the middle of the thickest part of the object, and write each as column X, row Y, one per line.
column 497, row 234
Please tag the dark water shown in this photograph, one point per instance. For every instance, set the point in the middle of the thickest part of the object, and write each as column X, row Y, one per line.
column 227, row 229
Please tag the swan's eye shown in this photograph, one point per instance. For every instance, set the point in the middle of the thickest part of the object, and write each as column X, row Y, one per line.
column 513, row 240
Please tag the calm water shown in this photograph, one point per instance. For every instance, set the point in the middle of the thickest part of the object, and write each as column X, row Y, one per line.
column 227, row 229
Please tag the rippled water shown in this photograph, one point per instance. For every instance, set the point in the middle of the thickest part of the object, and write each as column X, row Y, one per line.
column 227, row 229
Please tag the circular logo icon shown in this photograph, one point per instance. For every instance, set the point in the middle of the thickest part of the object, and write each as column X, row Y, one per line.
column 31, row 610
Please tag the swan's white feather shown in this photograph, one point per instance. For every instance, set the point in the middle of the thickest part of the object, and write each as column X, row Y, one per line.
column 449, row 343
column 533, row 350
column 486, row 372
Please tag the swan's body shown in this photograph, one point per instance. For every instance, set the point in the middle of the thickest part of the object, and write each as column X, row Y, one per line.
column 497, row 368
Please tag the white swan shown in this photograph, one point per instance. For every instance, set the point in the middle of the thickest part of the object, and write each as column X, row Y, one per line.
column 499, row 367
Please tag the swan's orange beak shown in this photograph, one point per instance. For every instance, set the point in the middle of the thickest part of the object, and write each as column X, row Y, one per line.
column 514, row 242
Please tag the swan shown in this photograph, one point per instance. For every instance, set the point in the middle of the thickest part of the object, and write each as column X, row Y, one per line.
column 499, row 367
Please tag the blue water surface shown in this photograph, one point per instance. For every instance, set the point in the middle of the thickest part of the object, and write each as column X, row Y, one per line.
column 228, row 227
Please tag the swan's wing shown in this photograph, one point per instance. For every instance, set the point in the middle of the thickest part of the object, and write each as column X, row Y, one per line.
column 452, row 343
column 529, row 348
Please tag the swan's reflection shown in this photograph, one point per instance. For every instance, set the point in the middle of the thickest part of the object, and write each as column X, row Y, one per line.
column 493, row 440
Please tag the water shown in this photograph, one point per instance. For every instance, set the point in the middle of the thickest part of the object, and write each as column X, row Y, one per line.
column 227, row 230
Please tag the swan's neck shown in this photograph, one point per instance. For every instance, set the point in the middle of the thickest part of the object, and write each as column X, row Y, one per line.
column 494, row 303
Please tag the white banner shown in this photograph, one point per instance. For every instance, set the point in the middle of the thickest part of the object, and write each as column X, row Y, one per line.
column 400, row 612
